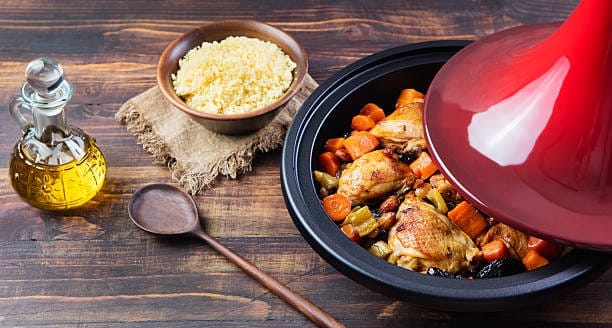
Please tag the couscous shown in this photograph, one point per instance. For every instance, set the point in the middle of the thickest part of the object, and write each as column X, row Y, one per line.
column 236, row 75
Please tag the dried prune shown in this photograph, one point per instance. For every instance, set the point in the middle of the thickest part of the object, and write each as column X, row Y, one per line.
column 502, row 267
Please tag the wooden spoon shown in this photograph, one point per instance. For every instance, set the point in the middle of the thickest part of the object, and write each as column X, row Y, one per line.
column 167, row 210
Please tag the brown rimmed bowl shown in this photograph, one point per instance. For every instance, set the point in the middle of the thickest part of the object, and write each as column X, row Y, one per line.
column 327, row 113
column 234, row 124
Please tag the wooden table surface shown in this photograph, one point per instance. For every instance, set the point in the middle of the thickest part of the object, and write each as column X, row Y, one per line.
column 92, row 267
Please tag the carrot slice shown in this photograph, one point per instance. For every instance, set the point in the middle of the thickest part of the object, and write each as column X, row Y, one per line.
column 423, row 166
column 359, row 143
column 337, row 206
column 548, row 249
column 495, row 250
column 533, row 260
column 373, row 111
column 362, row 123
column 468, row 219
column 351, row 232
column 408, row 96
column 329, row 163
column 333, row 144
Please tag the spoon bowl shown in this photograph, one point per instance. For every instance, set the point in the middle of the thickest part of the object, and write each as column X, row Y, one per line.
column 164, row 209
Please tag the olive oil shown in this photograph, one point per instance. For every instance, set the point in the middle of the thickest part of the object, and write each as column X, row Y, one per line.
column 57, row 187
column 54, row 166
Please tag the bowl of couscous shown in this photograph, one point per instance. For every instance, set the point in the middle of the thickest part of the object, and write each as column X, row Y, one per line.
column 232, row 76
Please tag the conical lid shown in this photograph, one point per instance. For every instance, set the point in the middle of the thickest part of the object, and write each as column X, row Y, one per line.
column 521, row 123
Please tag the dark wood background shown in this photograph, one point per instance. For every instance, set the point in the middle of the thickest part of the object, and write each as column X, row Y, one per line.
column 91, row 267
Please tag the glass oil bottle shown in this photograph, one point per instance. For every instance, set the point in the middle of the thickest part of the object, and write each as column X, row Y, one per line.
column 54, row 166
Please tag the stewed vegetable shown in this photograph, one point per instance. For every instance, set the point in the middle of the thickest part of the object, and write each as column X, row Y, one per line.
column 382, row 189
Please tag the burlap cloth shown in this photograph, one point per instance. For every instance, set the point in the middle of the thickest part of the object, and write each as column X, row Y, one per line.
column 194, row 154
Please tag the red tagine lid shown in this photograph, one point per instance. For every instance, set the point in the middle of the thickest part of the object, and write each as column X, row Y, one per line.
column 521, row 123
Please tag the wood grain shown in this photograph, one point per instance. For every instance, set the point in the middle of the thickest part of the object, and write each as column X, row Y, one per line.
column 91, row 267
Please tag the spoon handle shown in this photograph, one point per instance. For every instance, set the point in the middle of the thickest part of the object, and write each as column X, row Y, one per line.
column 314, row 313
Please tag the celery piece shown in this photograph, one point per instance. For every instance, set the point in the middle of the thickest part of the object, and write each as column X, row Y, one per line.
column 422, row 191
column 366, row 227
column 362, row 220
column 380, row 249
column 434, row 196
column 326, row 181
column 358, row 215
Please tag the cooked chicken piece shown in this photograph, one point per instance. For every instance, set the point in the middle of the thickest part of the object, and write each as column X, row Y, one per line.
column 424, row 238
column 403, row 129
column 448, row 192
column 515, row 240
column 414, row 146
column 374, row 175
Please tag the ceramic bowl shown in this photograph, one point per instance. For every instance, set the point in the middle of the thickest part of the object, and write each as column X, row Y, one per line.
column 234, row 124
column 327, row 113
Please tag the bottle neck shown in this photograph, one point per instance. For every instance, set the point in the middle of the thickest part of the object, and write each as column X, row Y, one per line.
column 50, row 124
column 48, row 113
